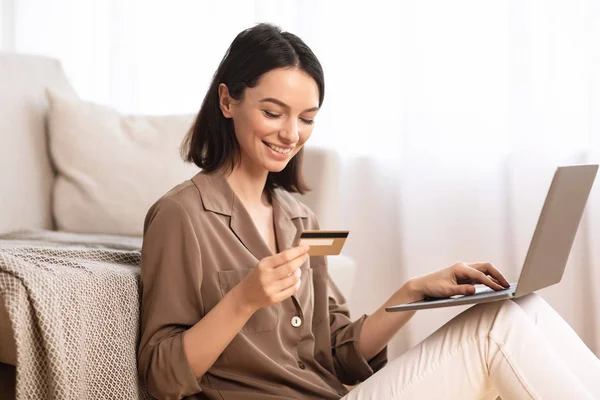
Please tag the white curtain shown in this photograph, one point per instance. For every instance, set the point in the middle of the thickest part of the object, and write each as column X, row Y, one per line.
column 449, row 117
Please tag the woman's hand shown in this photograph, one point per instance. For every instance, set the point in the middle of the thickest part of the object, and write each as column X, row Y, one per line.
column 457, row 279
column 274, row 279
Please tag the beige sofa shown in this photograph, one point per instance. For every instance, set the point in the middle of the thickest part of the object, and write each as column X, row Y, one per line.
column 27, row 176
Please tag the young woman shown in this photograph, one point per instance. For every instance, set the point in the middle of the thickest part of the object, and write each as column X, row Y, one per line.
column 231, row 310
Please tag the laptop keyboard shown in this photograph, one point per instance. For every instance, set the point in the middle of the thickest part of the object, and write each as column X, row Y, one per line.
column 481, row 292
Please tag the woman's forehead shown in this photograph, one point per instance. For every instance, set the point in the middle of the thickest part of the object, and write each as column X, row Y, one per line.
column 291, row 86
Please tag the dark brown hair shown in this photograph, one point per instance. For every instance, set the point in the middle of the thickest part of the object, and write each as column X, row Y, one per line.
column 211, row 143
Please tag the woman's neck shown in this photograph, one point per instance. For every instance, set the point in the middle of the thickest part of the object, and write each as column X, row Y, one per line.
column 249, row 187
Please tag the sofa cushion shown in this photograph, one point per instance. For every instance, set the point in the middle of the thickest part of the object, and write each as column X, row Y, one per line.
column 111, row 167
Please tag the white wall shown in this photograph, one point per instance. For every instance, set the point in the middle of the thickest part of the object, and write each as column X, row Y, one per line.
column 6, row 25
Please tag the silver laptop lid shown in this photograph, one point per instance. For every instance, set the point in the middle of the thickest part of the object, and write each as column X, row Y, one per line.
column 556, row 228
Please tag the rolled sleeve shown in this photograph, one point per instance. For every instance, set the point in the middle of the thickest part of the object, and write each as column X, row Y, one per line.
column 171, row 277
column 168, row 373
column 350, row 365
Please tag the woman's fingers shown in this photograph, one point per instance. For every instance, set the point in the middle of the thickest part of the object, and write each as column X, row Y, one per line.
column 460, row 279
column 495, row 280
column 464, row 271
column 275, row 276
column 472, row 282
column 284, row 294
column 286, row 256
column 288, row 281
column 289, row 267
column 466, row 289
column 490, row 270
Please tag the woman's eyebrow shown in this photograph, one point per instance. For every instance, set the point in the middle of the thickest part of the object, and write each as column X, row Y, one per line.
column 282, row 104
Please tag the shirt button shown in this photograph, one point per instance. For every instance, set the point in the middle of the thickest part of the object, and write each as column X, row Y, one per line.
column 301, row 365
column 296, row 321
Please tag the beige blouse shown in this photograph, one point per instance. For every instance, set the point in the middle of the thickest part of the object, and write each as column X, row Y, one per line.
column 199, row 242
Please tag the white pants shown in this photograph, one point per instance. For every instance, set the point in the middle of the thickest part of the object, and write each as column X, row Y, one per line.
column 516, row 349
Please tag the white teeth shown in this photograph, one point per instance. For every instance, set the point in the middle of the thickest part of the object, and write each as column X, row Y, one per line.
column 279, row 149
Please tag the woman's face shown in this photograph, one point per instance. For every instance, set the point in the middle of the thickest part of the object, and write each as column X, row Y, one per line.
column 273, row 119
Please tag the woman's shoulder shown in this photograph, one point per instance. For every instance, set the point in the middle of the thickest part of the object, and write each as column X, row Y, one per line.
column 182, row 199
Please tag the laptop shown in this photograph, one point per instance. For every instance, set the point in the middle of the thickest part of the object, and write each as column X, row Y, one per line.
column 549, row 248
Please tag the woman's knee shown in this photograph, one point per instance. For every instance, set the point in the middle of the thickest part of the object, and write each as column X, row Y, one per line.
column 481, row 319
column 495, row 307
column 530, row 301
column 534, row 306
column 502, row 312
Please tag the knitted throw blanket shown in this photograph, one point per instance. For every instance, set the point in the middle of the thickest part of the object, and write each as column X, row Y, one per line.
column 73, row 305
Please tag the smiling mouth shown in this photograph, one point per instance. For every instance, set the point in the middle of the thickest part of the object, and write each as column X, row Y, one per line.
column 278, row 149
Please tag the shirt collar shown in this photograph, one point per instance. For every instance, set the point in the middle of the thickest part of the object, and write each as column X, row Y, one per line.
column 218, row 196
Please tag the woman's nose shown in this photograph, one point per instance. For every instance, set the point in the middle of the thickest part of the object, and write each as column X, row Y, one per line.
column 290, row 132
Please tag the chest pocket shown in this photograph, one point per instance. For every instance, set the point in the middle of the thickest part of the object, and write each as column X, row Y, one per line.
column 264, row 319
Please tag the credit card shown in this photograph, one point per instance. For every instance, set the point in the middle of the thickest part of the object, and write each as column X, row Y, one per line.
column 323, row 243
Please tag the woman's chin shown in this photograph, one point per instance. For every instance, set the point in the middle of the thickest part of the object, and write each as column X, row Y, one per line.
column 276, row 166
column 273, row 165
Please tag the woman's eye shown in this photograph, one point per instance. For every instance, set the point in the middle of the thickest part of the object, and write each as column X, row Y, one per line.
column 270, row 114
column 307, row 121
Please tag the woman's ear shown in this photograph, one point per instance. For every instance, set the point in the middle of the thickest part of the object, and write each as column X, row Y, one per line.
column 225, row 101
